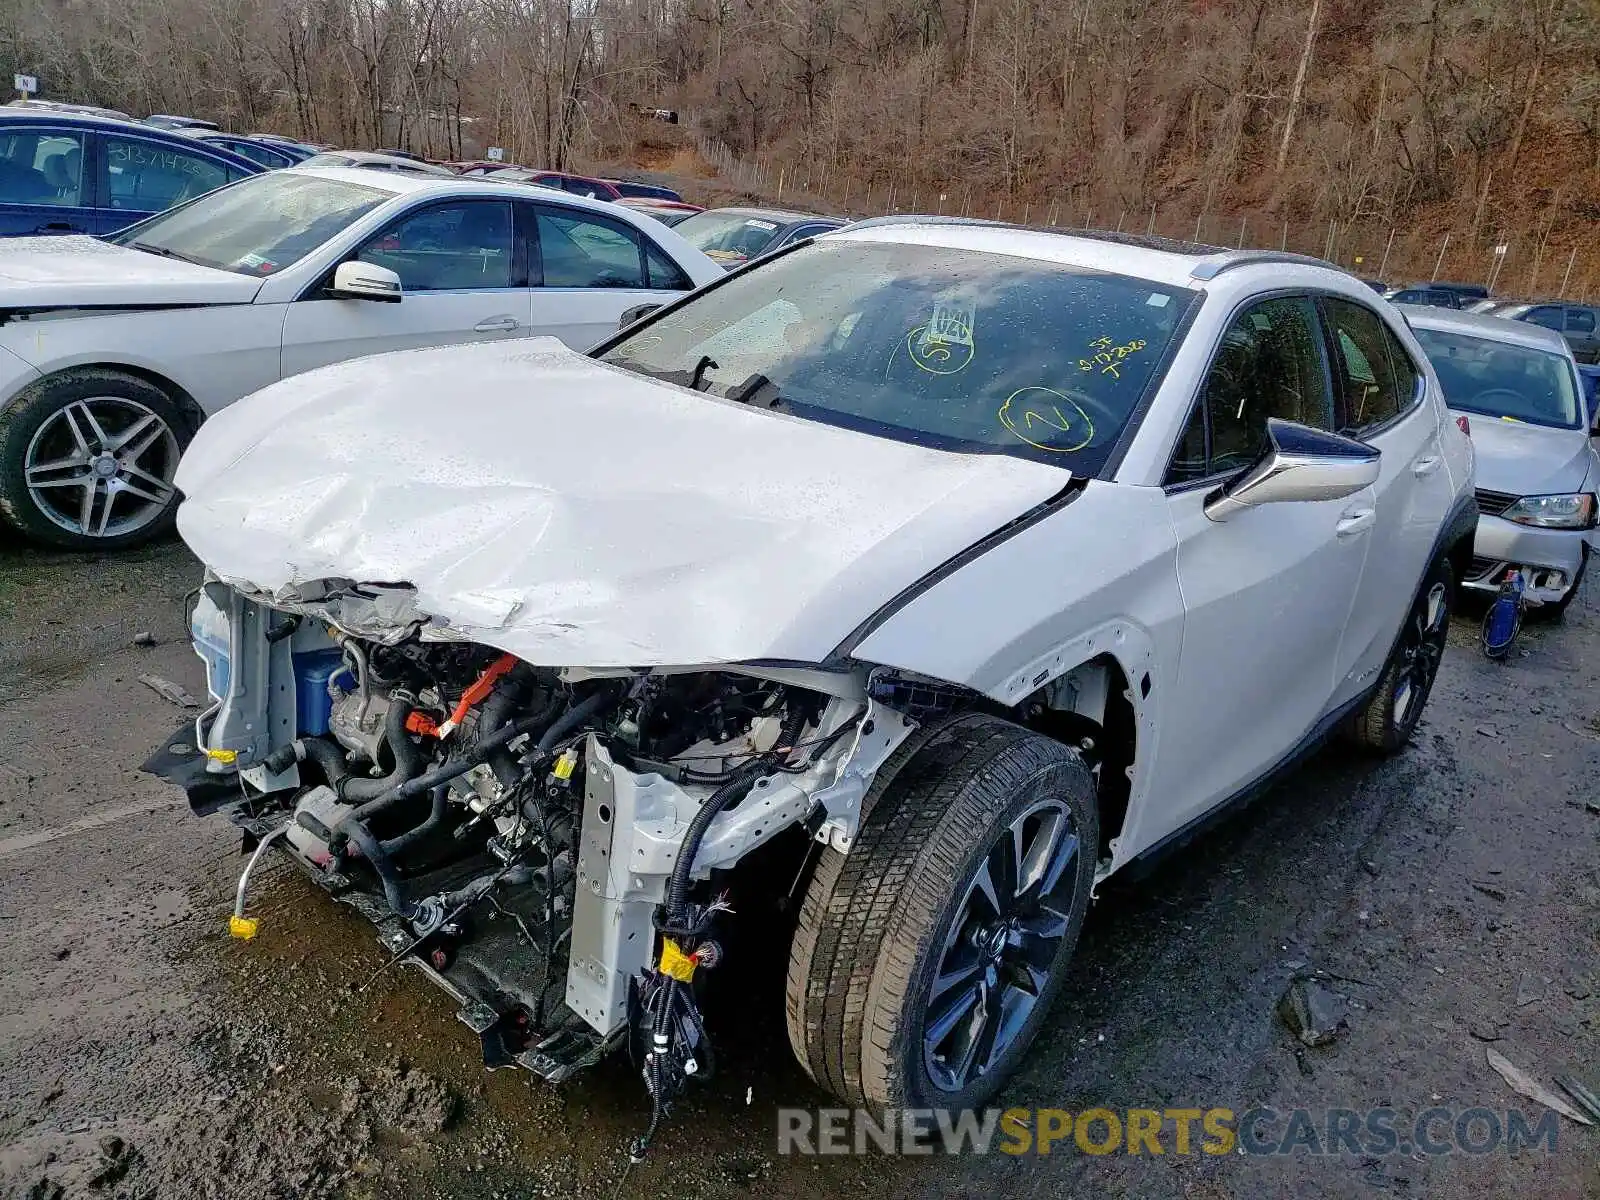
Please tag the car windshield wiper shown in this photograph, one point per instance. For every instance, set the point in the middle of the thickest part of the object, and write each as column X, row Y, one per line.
column 164, row 252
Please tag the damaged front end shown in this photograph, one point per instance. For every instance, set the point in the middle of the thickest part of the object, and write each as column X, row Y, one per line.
column 544, row 843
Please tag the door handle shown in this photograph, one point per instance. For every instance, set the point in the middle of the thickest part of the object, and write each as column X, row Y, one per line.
column 495, row 325
column 1355, row 520
column 1426, row 466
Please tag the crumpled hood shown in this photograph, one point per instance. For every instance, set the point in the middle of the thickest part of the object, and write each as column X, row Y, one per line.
column 576, row 514
column 54, row 272
column 1530, row 460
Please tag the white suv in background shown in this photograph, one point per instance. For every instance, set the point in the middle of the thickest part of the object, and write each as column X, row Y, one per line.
column 992, row 559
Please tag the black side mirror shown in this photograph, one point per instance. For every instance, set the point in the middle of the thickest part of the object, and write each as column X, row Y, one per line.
column 634, row 313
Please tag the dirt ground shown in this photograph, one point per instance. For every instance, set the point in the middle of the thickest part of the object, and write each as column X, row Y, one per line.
column 1451, row 894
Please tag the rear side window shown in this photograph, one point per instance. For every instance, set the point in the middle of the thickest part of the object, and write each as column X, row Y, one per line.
column 1580, row 320
column 147, row 177
column 665, row 275
column 1269, row 364
column 1375, row 376
column 1547, row 315
column 583, row 251
column 44, row 167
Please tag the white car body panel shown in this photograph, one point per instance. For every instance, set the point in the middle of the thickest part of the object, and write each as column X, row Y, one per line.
column 576, row 514
column 219, row 335
column 319, row 332
column 78, row 269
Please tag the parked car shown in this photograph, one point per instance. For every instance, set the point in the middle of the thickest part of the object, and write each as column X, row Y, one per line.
column 271, row 155
column 88, row 110
column 668, row 212
column 112, row 352
column 69, row 173
column 305, row 149
column 475, row 167
column 734, row 236
column 1578, row 323
column 1589, row 376
column 1423, row 294
column 369, row 160
column 577, row 185
column 931, row 542
column 1537, row 472
column 401, row 154
column 647, row 191
column 168, row 121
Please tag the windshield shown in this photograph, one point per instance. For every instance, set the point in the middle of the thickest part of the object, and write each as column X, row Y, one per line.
column 729, row 237
column 259, row 226
column 955, row 349
column 1498, row 379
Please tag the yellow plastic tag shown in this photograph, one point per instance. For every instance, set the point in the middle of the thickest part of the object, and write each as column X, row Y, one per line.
column 674, row 962
column 223, row 756
column 243, row 927
column 565, row 765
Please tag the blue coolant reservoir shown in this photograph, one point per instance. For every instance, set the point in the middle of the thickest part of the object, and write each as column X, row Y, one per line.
column 312, row 670
column 208, row 629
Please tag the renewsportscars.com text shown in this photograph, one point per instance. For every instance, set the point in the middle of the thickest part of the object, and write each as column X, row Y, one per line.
column 1164, row 1131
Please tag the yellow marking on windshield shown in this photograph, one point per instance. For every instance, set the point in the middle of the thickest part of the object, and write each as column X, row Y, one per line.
column 1051, row 412
column 1108, row 355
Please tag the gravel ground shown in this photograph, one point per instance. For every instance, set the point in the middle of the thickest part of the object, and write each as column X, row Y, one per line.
column 1451, row 896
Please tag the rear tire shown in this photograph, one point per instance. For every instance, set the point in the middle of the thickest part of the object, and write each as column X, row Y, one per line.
column 87, row 458
column 907, row 908
column 1389, row 717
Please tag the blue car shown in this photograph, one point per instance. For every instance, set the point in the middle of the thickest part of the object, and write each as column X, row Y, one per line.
column 70, row 173
column 1590, row 374
column 271, row 155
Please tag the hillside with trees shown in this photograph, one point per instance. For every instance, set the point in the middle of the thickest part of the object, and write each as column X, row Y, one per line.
column 1333, row 126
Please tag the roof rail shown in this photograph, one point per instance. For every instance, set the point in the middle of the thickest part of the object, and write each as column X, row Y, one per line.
column 918, row 219
column 1142, row 240
column 1214, row 259
column 1213, row 267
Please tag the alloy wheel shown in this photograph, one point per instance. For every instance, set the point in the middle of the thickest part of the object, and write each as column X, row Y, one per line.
column 1421, row 648
column 102, row 466
column 1004, row 940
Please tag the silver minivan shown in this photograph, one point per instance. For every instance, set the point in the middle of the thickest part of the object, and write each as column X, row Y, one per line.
column 1517, row 384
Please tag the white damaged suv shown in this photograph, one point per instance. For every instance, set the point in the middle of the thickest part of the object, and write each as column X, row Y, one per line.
column 960, row 564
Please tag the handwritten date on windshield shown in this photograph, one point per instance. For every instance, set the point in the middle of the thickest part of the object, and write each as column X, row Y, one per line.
column 1108, row 356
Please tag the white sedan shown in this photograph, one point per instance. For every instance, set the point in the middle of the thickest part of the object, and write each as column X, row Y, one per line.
column 112, row 352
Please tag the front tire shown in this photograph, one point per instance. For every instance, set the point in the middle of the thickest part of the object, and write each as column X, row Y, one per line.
column 87, row 459
column 1389, row 717
column 928, row 957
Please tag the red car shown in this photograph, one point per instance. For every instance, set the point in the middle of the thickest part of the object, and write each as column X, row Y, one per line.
column 668, row 212
column 578, row 185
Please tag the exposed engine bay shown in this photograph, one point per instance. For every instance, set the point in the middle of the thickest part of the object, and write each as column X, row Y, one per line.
column 543, row 842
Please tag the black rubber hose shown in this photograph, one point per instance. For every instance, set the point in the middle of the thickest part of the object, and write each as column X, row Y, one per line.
column 394, row 890
column 325, row 755
column 743, row 778
column 329, row 758
column 407, row 761
column 571, row 719
column 497, row 710
column 678, row 886
column 434, row 821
